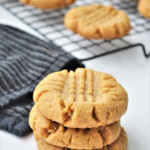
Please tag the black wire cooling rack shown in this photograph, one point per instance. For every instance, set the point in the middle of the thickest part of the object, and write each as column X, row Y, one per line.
column 49, row 24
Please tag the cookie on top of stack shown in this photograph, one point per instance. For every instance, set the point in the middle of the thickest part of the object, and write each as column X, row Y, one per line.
column 79, row 110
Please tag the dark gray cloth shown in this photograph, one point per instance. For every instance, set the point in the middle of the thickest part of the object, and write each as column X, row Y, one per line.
column 24, row 61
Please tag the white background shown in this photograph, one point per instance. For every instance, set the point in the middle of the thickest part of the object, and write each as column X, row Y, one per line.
column 131, row 69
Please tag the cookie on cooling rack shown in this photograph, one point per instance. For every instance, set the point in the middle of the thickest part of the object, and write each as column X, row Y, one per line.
column 144, row 8
column 48, row 4
column 58, row 135
column 119, row 144
column 81, row 99
column 97, row 22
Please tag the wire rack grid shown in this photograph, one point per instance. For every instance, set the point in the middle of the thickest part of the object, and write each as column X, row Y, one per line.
column 49, row 24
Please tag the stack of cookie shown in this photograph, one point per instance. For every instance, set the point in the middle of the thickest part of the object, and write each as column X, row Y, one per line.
column 79, row 110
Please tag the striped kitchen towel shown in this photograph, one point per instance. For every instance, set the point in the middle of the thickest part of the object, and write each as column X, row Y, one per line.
column 24, row 61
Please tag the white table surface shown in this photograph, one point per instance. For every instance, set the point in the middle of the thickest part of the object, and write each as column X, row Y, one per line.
column 131, row 69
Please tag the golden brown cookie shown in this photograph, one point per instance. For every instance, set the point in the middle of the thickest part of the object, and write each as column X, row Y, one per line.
column 58, row 135
column 48, row 4
column 97, row 22
column 119, row 144
column 81, row 99
column 144, row 8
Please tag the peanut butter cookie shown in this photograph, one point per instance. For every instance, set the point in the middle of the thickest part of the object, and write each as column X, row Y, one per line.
column 119, row 144
column 48, row 4
column 81, row 99
column 97, row 22
column 58, row 135
column 144, row 8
